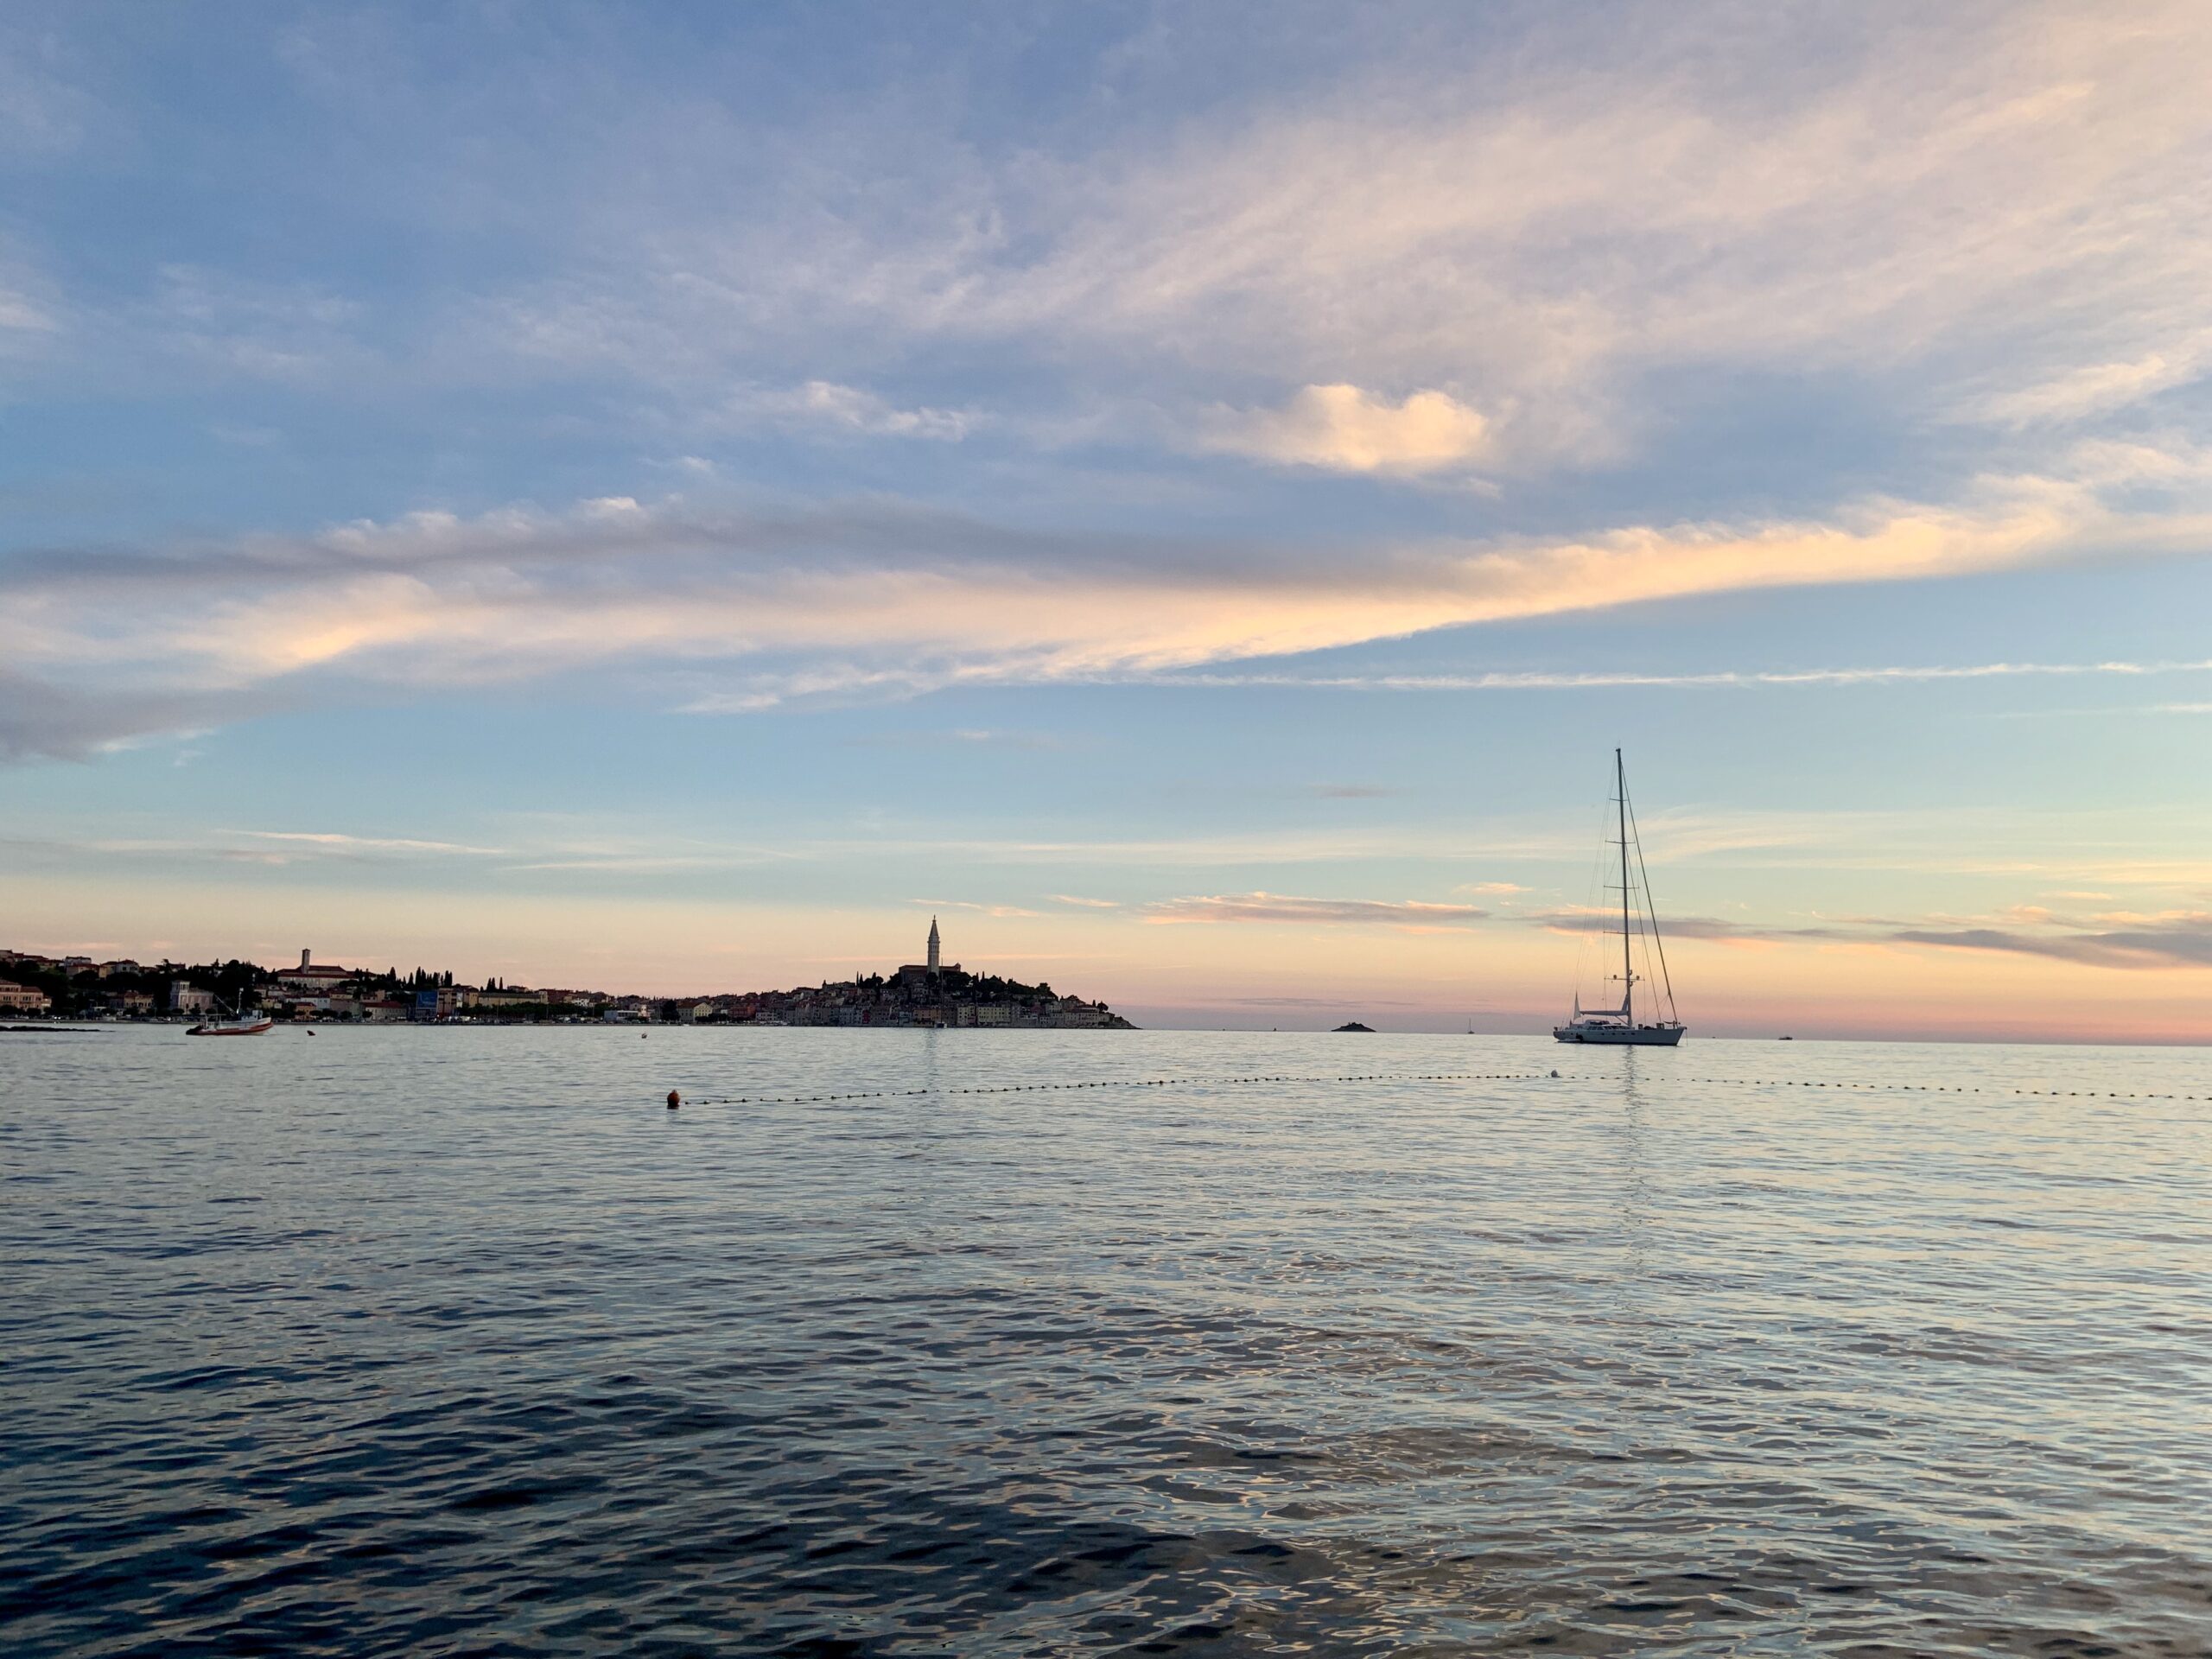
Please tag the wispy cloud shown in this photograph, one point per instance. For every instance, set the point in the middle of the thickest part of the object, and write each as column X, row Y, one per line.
column 2177, row 939
column 332, row 843
column 853, row 409
column 2107, row 711
column 977, row 907
column 2177, row 942
column 886, row 597
column 1275, row 907
column 2001, row 212
column 977, row 737
column 1545, row 681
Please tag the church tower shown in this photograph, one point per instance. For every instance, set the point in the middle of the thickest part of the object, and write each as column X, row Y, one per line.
column 933, row 947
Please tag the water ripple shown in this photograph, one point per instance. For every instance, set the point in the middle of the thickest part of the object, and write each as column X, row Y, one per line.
column 432, row 1342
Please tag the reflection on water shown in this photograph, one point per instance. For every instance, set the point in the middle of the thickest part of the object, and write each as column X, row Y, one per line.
column 456, row 1341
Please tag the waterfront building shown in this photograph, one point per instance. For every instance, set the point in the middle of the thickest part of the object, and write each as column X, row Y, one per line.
column 22, row 998
column 313, row 978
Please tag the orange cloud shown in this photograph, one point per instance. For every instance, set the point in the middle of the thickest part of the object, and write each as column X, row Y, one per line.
column 1342, row 429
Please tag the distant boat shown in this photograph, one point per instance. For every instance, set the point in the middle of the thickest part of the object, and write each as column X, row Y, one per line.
column 1618, row 1026
column 232, row 1023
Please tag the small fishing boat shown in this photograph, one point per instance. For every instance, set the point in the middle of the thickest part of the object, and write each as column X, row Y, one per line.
column 232, row 1022
column 1619, row 1026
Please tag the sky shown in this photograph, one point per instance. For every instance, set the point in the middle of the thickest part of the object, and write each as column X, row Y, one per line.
column 670, row 498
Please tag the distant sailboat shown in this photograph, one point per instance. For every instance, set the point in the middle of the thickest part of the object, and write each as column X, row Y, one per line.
column 1618, row 1026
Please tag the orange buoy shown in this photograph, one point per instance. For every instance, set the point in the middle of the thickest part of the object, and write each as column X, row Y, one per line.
column 675, row 1100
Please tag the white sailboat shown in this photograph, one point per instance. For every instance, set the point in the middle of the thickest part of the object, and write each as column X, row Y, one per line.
column 1618, row 1027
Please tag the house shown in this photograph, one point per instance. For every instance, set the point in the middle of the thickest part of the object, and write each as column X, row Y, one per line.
column 22, row 998
column 189, row 999
column 503, row 996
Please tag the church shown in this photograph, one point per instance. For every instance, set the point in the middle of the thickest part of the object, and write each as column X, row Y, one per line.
column 915, row 972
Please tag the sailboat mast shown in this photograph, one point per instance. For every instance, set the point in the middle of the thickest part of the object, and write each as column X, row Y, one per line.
column 1628, row 972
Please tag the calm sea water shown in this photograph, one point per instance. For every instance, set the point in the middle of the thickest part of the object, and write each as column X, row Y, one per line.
column 452, row 1342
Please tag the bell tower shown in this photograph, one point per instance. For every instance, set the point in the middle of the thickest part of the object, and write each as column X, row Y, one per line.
column 935, row 948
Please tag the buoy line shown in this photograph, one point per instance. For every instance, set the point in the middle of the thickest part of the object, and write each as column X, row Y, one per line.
column 1399, row 1076
column 1111, row 1083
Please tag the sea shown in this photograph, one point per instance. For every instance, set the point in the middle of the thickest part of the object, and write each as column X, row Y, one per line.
column 451, row 1341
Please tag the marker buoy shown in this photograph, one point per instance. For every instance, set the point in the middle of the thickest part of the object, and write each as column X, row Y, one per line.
column 675, row 1100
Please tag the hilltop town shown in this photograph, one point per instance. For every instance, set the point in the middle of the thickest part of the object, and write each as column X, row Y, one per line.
column 931, row 992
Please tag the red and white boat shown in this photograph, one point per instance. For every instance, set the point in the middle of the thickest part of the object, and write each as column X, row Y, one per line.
column 237, row 1024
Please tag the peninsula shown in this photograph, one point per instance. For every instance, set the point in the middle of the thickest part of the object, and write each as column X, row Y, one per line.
column 929, row 993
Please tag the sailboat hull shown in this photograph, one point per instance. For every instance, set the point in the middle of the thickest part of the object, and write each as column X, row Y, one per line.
column 1621, row 1036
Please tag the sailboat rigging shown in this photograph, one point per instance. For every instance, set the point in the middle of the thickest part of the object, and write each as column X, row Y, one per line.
column 1618, row 1026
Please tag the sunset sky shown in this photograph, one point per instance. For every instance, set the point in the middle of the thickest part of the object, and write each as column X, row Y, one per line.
column 671, row 497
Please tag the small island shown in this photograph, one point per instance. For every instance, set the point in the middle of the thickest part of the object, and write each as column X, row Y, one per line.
column 1354, row 1024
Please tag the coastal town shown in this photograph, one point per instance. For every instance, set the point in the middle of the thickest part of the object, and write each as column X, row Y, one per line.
column 930, row 994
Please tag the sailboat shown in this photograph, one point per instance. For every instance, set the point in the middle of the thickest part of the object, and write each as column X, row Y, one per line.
column 1618, row 1026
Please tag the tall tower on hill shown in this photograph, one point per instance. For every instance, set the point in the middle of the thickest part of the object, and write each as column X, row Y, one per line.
column 934, row 948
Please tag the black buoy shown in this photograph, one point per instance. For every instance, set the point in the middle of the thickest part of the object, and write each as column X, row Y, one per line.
column 675, row 1100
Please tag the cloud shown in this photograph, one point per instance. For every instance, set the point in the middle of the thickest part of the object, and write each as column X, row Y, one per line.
column 21, row 313
column 2097, row 388
column 1083, row 904
column 959, row 737
column 969, row 904
column 2183, row 941
column 1342, row 429
column 1351, row 792
column 1997, row 213
column 262, row 330
column 266, row 847
column 2179, row 939
column 879, row 598
column 328, row 841
column 1328, row 913
column 1510, row 681
column 44, row 113
column 824, row 403
column 1338, row 1004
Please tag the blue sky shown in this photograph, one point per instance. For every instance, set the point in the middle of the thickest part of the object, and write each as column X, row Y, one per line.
column 666, row 497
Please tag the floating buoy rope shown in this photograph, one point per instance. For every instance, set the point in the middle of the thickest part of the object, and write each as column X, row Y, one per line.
column 1384, row 1077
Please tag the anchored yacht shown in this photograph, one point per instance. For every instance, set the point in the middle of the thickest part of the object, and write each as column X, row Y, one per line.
column 1619, row 1025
